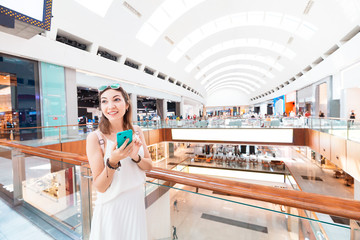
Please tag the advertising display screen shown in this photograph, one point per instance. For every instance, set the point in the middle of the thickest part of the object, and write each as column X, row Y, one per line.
column 34, row 12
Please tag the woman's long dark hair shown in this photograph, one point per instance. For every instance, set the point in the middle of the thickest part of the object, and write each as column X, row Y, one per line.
column 104, row 124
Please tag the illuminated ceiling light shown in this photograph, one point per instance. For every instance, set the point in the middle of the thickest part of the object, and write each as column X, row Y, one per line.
column 236, row 75
column 98, row 7
column 265, row 60
column 165, row 15
column 250, row 82
column 236, row 67
column 228, row 86
column 287, row 23
column 238, row 43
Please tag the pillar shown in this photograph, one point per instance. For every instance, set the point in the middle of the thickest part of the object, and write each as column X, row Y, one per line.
column 161, row 107
column 133, row 100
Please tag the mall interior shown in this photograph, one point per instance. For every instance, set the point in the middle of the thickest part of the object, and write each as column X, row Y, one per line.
column 250, row 111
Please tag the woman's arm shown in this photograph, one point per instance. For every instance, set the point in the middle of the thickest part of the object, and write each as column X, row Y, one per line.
column 102, row 175
column 146, row 161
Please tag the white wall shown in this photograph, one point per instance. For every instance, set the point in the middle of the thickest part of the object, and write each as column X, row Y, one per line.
column 350, row 101
column 227, row 97
column 263, row 108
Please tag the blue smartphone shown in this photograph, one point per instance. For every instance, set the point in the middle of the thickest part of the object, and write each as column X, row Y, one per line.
column 122, row 136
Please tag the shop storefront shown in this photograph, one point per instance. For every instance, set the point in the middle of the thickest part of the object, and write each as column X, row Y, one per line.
column 279, row 105
column 290, row 104
column 19, row 97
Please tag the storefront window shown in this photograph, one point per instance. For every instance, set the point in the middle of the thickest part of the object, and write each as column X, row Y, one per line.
column 19, row 96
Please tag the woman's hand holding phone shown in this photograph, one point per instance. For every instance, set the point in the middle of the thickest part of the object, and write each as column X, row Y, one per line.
column 122, row 152
column 136, row 146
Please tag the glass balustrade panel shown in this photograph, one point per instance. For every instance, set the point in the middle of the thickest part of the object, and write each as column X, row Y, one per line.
column 188, row 213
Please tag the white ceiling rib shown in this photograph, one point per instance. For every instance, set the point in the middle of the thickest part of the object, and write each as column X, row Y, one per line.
column 244, row 43
column 281, row 21
column 255, row 58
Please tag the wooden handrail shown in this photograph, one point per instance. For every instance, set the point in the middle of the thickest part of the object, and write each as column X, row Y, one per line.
column 308, row 201
column 72, row 158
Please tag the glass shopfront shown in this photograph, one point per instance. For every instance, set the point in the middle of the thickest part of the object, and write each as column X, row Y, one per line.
column 19, row 97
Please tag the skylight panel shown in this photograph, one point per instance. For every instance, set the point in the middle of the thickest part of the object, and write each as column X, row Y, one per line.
column 240, row 84
column 255, row 18
column 266, row 44
column 253, row 41
column 229, row 86
column 149, row 33
column 98, row 7
column 160, row 19
column 191, row 3
column 273, row 18
column 195, row 36
column 209, row 28
column 288, row 53
column 237, row 74
column 174, row 9
column 223, row 23
column 289, row 23
column 232, row 79
column 239, row 19
column 186, row 44
column 175, row 54
column 306, row 30
column 278, row 47
column 233, row 84
column 239, row 42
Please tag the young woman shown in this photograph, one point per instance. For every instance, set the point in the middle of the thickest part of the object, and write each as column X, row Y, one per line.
column 118, row 173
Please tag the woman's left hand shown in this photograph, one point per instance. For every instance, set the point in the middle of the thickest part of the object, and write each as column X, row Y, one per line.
column 137, row 144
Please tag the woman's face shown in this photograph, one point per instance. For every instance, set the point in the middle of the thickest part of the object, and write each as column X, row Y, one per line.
column 113, row 104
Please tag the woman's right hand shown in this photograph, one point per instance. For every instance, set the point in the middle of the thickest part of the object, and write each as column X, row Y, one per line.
column 120, row 153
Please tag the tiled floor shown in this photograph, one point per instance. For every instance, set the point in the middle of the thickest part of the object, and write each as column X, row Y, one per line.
column 14, row 226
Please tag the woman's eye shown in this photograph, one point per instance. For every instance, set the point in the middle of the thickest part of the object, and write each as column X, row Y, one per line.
column 117, row 100
column 103, row 101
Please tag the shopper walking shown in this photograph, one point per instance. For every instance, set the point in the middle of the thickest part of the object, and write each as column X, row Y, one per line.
column 352, row 116
column 175, row 205
column 174, row 233
column 120, row 208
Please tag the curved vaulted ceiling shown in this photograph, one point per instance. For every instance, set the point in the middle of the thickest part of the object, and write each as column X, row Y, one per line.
column 248, row 45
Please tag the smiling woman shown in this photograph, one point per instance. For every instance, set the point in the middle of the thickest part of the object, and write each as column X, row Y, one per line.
column 118, row 173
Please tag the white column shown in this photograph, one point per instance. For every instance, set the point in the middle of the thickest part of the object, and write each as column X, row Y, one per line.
column 93, row 48
column 71, row 96
column 71, row 101
column 142, row 67
column 133, row 100
column 182, row 107
column 156, row 73
column 164, row 109
column 52, row 33
column 122, row 59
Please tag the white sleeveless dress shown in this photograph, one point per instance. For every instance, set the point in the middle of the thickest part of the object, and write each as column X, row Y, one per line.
column 119, row 212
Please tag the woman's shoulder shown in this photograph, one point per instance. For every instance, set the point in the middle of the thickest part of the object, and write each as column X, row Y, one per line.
column 95, row 136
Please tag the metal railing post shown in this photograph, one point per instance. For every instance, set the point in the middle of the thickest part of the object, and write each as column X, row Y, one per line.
column 86, row 201
column 18, row 167
column 355, row 230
